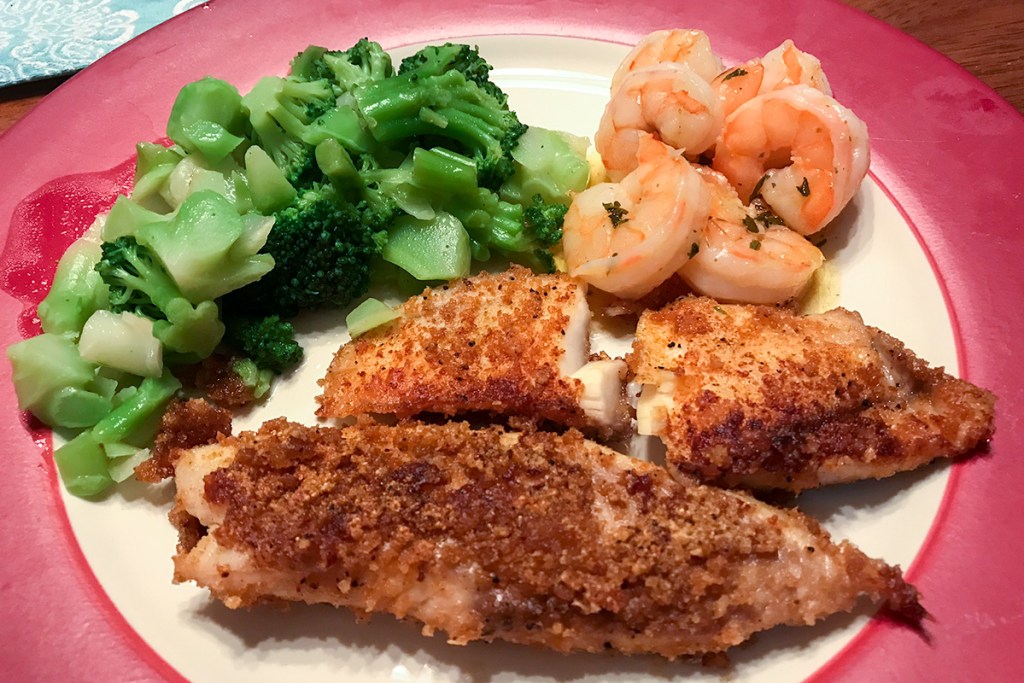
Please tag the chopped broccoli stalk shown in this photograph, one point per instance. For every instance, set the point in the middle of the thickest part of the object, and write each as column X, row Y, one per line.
column 443, row 171
column 438, row 249
column 256, row 380
column 208, row 249
column 368, row 315
column 207, row 100
column 550, row 163
column 77, row 291
column 133, row 418
column 408, row 107
column 153, row 167
column 269, row 342
column 293, row 156
column 82, row 465
column 139, row 284
column 57, row 385
column 322, row 246
column 270, row 189
column 364, row 62
column 126, row 216
column 210, row 139
column 122, row 341
column 344, row 125
column 336, row 163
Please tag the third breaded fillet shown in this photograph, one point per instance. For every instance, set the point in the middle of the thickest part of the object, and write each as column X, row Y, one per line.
column 760, row 397
column 529, row 537
column 511, row 343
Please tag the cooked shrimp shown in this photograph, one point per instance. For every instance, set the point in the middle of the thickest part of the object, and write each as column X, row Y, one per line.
column 784, row 66
column 741, row 257
column 682, row 46
column 628, row 237
column 805, row 154
column 669, row 100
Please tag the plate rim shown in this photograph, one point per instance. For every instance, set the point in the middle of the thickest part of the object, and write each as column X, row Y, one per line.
column 977, row 490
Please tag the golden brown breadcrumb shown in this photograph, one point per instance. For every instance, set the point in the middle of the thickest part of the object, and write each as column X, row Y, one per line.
column 529, row 537
column 185, row 424
column 760, row 397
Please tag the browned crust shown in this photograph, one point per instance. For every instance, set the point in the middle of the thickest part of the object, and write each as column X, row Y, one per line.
column 379, row 509
column 747, row 413
column 185, row 424
column 490, row 343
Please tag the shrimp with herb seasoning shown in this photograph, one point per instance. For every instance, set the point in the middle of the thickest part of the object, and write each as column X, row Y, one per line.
column 799, row 150
column 627, row 238
column 745, row 254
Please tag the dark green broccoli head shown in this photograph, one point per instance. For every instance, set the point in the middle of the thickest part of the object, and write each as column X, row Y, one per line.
column 545, row 220
column 137, row 281
column 434, row 60
column 269, row 342
column 345, row 69
column 322, row 248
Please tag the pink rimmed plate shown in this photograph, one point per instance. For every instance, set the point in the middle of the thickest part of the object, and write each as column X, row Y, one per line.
column 928, row 251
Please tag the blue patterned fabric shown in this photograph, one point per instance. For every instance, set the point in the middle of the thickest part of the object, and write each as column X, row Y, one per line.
column 41, row 38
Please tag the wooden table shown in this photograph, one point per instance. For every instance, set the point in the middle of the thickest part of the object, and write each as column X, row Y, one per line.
column 985, row 36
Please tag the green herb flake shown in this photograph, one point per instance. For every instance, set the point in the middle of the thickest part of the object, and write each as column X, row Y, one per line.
column 769, row 218
column 734, row 73
column 719, row 309
column 757, row 188
column 694, row 248
column 755, row 244
column 805, row 188
column 750, row 223
column 616, row 213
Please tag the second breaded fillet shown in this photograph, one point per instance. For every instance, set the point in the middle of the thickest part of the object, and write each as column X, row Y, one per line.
column 511, row 343
column 531, row 537
column 760, row 397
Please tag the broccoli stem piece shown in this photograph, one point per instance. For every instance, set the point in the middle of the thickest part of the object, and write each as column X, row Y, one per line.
column 77, row 291
column 82, row 465
column 256, row 380
column 135, row 413
column 200, row 104
column 58, row 386
column 270, row 189
column 443, row 171
column 438, row 249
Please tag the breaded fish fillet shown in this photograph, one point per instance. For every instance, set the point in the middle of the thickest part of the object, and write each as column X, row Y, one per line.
column 512, row 343
column 529, row 537
column 760, row 397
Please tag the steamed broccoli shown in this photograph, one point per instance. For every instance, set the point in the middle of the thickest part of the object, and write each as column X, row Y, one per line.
column 416, row 110
column 322, row 246
column 268, row 342
column 544, row 221
column 139, row 284
column 77, row 290
column 362, row 63
column 435, row 60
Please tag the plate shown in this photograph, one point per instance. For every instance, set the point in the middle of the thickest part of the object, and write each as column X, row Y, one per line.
column 946, row 153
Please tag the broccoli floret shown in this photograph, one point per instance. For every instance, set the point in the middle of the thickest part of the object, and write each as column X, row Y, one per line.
column 268, row 342
column 544, row 221
column 322, row 246
column 445, row 110
column 139, row 284
column 279, row 113
column 346, row 69
column 521, row 235
column 435, row 60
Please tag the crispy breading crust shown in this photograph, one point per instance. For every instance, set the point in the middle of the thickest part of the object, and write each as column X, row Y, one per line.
column 530, row 537
column 185, row 424
column 490, row 343
column 764, row 398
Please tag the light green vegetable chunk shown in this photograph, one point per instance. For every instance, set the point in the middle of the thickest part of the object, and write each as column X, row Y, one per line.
column 368, row 315
column 437, row 249
column 127, row 422
column 82, row 465
column 270, row 189
column 122, row 341
column 77, row 292
column 58, row 386
column 550, row 163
